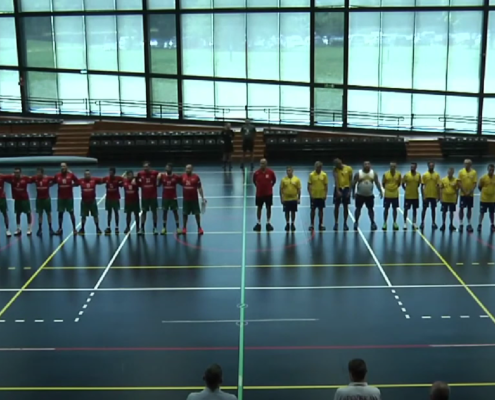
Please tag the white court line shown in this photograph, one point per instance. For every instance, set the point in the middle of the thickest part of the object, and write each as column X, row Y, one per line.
column 372, row 253
column 316, row 232
column 235, row 321
column 220, row 288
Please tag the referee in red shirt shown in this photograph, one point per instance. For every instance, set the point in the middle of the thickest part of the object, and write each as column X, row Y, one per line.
column 264, row 179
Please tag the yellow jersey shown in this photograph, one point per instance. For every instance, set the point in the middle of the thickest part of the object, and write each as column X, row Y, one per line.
column 430, row 182
column 412, row 182
column 487, row 184
column 450, row 187
column 343, row 176
column 290, row 188
column 318, row 184
column 468, row 181
column 391, row 184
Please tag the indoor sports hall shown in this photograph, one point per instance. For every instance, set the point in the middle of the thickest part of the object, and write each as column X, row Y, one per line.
column 120, row 83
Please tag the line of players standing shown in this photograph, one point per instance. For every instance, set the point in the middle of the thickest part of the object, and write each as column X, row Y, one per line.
column 147, row 180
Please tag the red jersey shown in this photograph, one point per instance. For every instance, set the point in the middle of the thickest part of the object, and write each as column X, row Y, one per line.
column 113, row 184
column 42, row 186
column 2, row 186
column 65, row 184
column 88, row 189
column 191, row 184
column 264, row 182
column 148, row 183
column 19, row 186
column 131, row 191
column 169, row 183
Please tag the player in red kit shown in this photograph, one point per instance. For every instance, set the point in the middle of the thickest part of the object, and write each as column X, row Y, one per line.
column 88, row 200
column 169, row 182
column 148, row 182
column 19, row 184
column 112, row 200
column 3, row 205
column 131, row 200
column 264, row 179
column 65, row 181
column 43, row 200
column 191, row 186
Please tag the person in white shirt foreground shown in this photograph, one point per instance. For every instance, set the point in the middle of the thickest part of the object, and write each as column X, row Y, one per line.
column 213, row 380
column 358, row 389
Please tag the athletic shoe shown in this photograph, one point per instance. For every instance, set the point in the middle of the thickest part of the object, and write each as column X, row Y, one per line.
column 470, row 228
column 184, row 231
column 39, row 232
column 434, row 226
column 108, row 231
column 322, row 228
column 415, row 227
column 257, row 227
column 405, row 226
column 373, row 227
column 287, row 227
column 8, row 233
column 141, row 231
column 59, row 232
column 164, row 231
column 336, row 227
column 29, row 232
column 422, row 226
column 155, row 231
column 479, row 228
column 81, row 232
column 127, row 230
column 311, row 228
column 17, row 232
column 384, row 227
column 461, row 228
column 292, row 227
column 346, row 227
column 452, row 228
column 117, row 231
column 179, row 231
column 98, row 231
column 74, row 232
column 442, row 228
column 201, row 231
column 356, row 226
column 52, row 233
column 396, row 226
column 269, row 227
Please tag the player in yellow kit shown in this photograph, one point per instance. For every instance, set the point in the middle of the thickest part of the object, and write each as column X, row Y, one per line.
column 391, row 183
column 468, row 178
column 411, row 183
column 290, row 195
column 431, row 194
column 449, row 189
column 342, row 175
column 487, row 201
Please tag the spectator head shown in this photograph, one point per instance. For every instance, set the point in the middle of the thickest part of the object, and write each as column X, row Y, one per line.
column 431, row 166
column 439, row 391
column 112, row 171
column 189, row 169
column 64, row 168
column 468, row 163
column 248, row 121
column 491, row 168
column 318, row 166
column 414, row 166
column 40, row 172
column 337, row 162
column 17, row 172
column 227, row 125
column 169, row 168
column 87, row 174
column 129, row 174
column 357, row 370
column 213, row 377
column 146, row 166
column 263, row 163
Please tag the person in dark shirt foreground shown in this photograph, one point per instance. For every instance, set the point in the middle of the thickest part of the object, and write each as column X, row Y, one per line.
column 358, row 389
column 213, row 380
column 228, row 147
column 439, row 391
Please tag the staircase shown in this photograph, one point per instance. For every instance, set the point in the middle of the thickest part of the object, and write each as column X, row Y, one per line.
column 73, row 139
column 259, row 148
column 420, row 148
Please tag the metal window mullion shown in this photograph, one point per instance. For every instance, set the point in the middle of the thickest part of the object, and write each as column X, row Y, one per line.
column 178, row 42
column 21, row 57
column 345, row 91
column 483, row 52
column 312, row 24
column 147, row 61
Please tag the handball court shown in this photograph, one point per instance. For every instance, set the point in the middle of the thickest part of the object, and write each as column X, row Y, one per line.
column 128, row 317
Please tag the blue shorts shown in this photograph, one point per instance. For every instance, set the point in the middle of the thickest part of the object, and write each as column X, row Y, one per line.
column 317, row 204
column 430, row 202
column 411, row 203
column 448, row 207
column 484, row 207
column 466, row 201
column 345, row 198
column 387, row 202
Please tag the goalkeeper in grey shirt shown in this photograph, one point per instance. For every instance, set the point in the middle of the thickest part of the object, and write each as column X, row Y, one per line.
column 248, row 132
column 358, row 389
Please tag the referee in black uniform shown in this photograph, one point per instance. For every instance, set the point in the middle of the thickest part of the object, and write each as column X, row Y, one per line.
column 248, row 132
column 228, row 146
